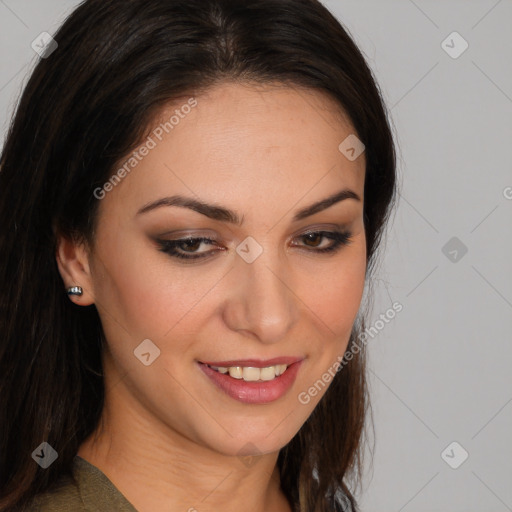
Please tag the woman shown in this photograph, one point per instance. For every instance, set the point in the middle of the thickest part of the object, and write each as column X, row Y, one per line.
column 192, row 193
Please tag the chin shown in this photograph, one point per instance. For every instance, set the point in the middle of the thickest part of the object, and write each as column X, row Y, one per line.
column 250, row 440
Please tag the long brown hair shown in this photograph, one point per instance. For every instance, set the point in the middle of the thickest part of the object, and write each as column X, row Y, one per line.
column 86, row 106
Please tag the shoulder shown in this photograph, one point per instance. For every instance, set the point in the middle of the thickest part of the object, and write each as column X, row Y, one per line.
column 64, row 497
column 87, row 489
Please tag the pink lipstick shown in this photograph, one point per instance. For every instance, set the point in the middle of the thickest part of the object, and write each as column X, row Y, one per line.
column 253, row 381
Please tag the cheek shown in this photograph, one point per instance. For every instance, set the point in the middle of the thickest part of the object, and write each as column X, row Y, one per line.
column 336, row 302
column 129, row 287
column 336, row 292
column 146, row 294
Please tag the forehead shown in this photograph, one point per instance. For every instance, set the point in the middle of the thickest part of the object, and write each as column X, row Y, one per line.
column 244, row 142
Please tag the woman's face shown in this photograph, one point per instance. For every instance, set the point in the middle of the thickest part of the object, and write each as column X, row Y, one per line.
column 259, row 293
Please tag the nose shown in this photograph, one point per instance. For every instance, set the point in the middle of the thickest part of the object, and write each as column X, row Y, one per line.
column 262, row 302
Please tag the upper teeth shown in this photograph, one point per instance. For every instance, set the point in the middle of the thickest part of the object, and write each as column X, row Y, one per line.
column 250, row 374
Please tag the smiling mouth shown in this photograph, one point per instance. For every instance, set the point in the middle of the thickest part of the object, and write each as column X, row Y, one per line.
column 251, row 373
column 254, row 381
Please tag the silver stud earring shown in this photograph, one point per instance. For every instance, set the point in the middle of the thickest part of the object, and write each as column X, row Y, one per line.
column 75, row 290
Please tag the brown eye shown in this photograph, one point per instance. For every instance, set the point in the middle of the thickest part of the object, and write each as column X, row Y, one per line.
column 314, row 240
column 187, row 248
column 311, row 237
column 191, row 244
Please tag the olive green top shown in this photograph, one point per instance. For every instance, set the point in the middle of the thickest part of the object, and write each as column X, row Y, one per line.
column 94, row 493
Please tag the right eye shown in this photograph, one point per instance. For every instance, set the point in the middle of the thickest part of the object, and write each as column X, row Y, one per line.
column 186, row 248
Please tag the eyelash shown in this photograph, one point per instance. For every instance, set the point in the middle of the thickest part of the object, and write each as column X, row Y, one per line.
column 340, row 238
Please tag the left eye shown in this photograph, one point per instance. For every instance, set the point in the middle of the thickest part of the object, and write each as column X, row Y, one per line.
column 187, row 248
column 338, row 239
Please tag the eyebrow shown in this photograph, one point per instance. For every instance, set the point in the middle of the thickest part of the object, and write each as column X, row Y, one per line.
column 222, row 214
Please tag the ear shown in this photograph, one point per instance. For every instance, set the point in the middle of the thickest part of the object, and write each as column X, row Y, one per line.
column 73, row 262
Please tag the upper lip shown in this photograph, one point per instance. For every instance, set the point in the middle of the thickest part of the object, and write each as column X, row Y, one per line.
column 254, row 363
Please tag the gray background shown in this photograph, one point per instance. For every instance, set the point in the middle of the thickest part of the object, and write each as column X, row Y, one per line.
column 440, row 370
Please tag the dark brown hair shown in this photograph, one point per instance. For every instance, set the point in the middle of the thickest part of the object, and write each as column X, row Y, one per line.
column 84, row 108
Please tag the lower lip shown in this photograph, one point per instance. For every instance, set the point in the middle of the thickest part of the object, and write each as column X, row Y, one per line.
column 259, row 392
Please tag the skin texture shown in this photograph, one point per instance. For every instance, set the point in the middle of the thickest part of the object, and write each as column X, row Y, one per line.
column 169, row 439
